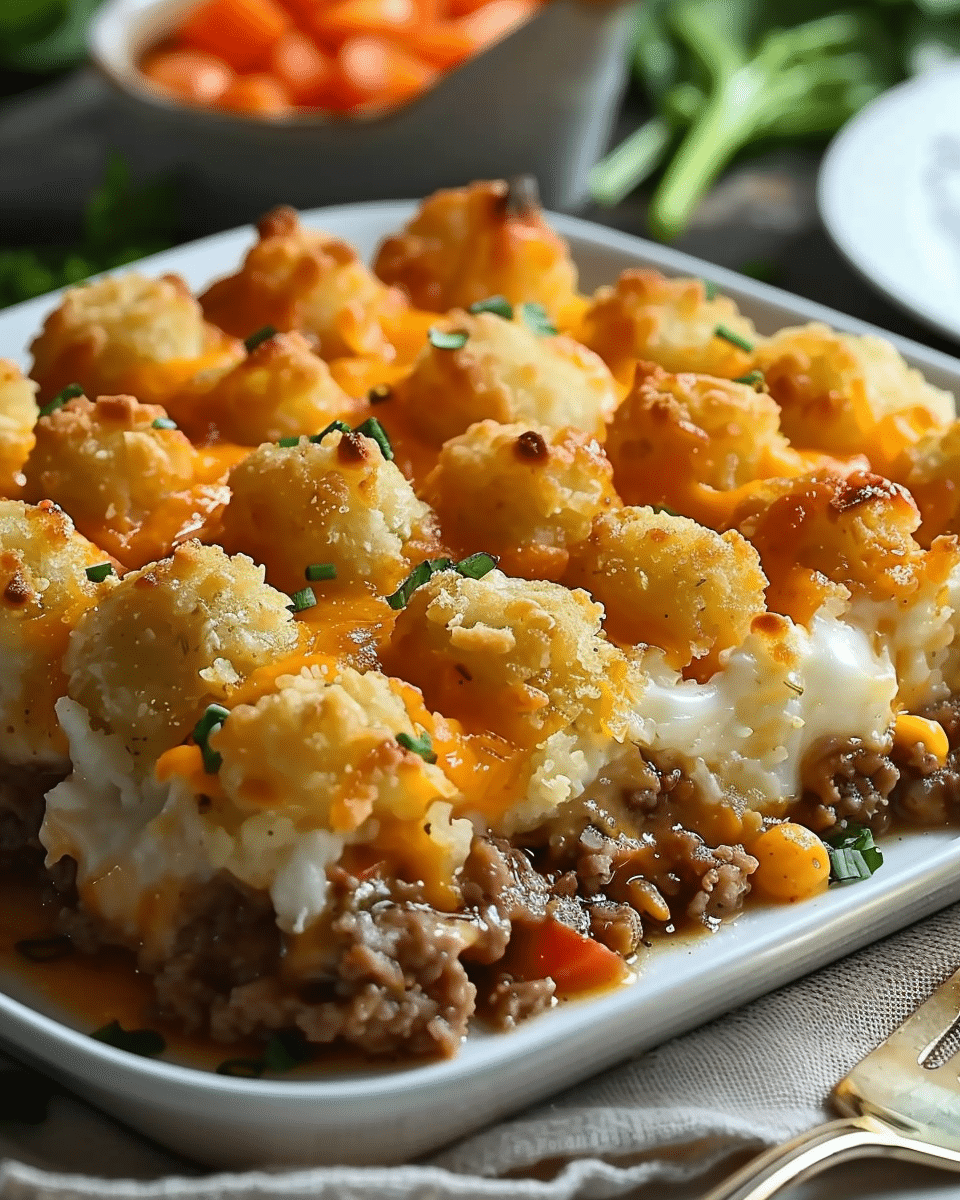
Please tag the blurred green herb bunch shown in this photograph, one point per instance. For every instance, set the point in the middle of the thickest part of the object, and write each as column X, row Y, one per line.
column 42, row 36
column 721, row 75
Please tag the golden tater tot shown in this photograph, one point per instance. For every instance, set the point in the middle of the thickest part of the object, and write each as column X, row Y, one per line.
column 298, row 278
column 18, row 415
column 849, row 395
column 338, row 501
column 126, row 333
column 172, row 638
column 666, row 581
column 44, row 590
column 671, row 322
column 505, row 372
column 525, row 658
column 129, row 482
column 281, row 389
column 930, row 470
column 489, row 239
column 677, row 439
column 523, row 492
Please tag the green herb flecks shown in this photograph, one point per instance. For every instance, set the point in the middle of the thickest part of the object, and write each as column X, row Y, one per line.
column 755, row 379
column 734, row 338
column 70, row 392
column 100, row 572
column 145, row 1042
column 536, row 319
column 287, row 443
column 302, row 600
column 284, row 1050
column 853, row 854
column 417, row 578
column 421, row 745
column 476, row 565
column 372, row 428
column 317, row 572
column 259, row 337
column 333, row 427
column 208, row 724
column 447, row 339
column 500, row 306
column 163, row 423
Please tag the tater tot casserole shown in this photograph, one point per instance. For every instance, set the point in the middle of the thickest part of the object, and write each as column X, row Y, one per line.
column 389, row 648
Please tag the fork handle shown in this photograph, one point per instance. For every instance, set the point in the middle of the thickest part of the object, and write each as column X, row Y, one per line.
column 822, row 1147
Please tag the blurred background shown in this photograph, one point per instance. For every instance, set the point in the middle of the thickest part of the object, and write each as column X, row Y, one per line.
column 130, row 125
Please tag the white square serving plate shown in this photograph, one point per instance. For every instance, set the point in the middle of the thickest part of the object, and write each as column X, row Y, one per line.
column 394, row 1113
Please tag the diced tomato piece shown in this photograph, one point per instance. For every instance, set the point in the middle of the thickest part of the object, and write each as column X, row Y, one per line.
column 375, row 71
column 348, row 18
column 256, row 94
column 241, row 32
column 442, row 45
column 307, row 74
column 190, row 75
column 575, row 962
column 496, row 19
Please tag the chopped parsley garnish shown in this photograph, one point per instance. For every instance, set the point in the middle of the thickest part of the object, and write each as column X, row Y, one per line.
column 477, row 565
column 536, row 318
column 421, row 745
column 145, row 1042
column 728, row 335
column 753, row 378
column 48, row 949
column 70, row 392
column 258, row 338
column 208, row 724
column 853, row 854
column 164, row 423
column 443, row 339
column 283, row 1051
column 500, row 306
column 380, row 393
column 372, row 428
column 709, row 289
column 319, row 571
column 334, row 426
column 100, row 572
column 287, row 442
column 302, row 600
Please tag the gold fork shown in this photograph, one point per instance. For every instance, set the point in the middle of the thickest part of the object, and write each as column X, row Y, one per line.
column 898, row 1102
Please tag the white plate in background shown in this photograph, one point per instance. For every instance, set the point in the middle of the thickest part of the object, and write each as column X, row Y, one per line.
column 394, row 1114
column 889, row 195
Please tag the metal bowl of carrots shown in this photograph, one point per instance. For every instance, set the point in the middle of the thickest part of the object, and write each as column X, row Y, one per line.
column 311, row 102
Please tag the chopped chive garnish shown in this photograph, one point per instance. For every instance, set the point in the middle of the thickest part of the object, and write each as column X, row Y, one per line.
column 443, row 339
column 208, row 724
column 242, row 1068
column 258, row 338
column 421, row 745
column 709, row 289
column 853, row 854
column 48, row 949
column 500, row 306
column 417, row 578
column 283, row 1051
column 319, row 571
column 164, row 423
column 380, row 393
column 536, row 318
column 372, row 428
column 753, row 378
column 100, row 572
column 302, row 600
column 70, row 392
column 145, row 1042
column 287, row 442
column 338, row 426
column 728, row 335
column 477, row 565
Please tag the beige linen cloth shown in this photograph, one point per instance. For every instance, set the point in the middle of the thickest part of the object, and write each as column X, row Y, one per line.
column 752, row 1078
